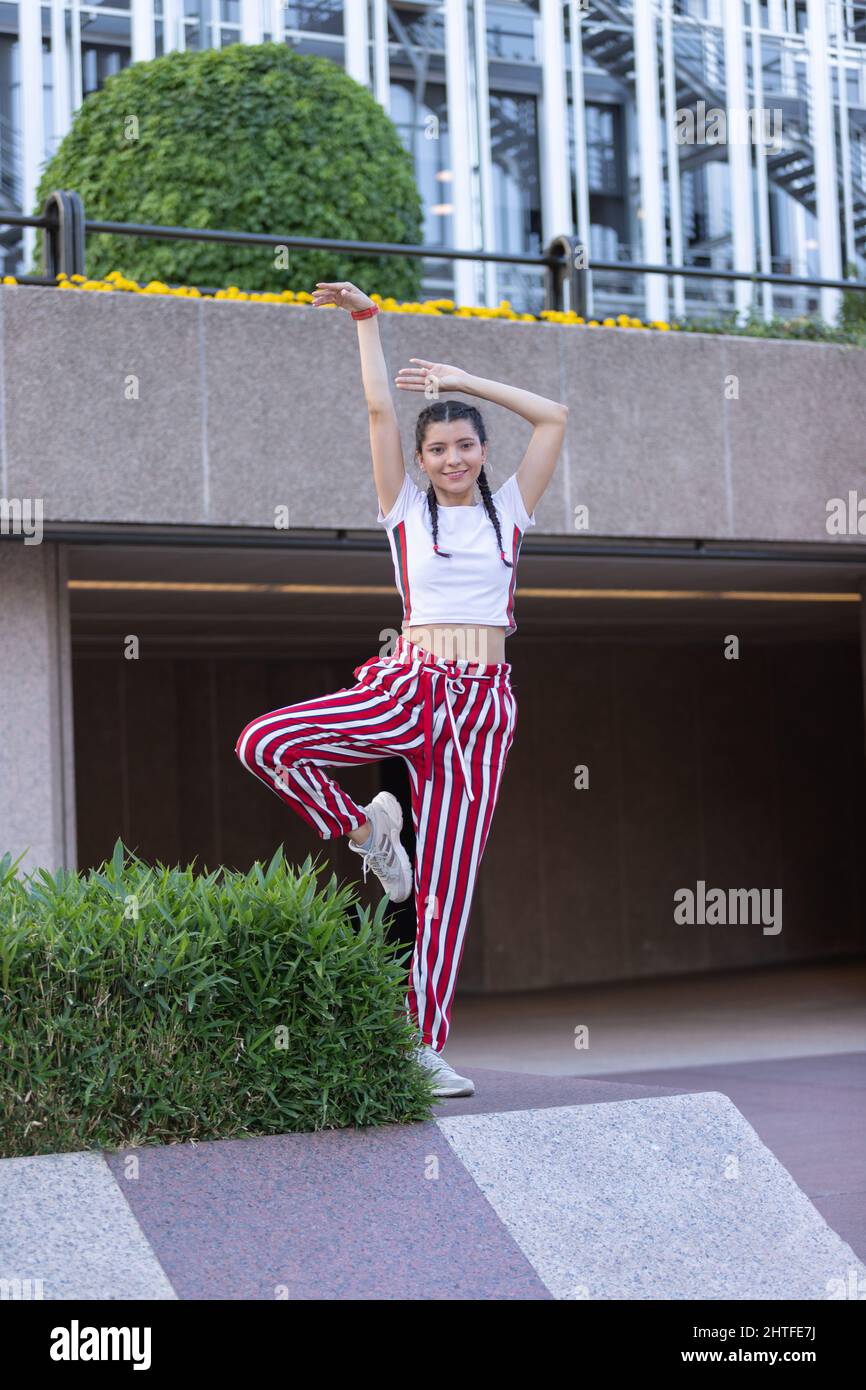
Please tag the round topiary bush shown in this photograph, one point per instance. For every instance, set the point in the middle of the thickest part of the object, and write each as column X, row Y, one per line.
column 251, row 138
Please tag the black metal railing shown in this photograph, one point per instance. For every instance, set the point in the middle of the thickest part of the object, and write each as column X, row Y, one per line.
column 566, row 261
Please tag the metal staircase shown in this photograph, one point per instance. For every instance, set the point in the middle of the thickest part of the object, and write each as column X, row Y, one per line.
column 608, row 41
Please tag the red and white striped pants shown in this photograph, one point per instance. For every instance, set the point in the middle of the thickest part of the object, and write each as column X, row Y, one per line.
column 453, row 723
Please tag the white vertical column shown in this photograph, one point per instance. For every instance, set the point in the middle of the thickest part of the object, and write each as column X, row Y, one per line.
column 794, row 212
column 356, row 46
column 37, row 813
column 578, row 116
column 776, row 16
column 845, row 136
column 278, row 21
column 477, row 232
column 143, row 32
column 739, row 152
column 763, row 196
column 647, row 104
column 556, row 216
column 457, row 87
column 251, row 21
column 678, row 285
column 381, row 61
column 61, row 95
column 32, row 123
column 488, row 220
column 172, row 28
column 75, row 55
column 711, row 49
column 718, row 209
column 824, row 153
column 799, row 250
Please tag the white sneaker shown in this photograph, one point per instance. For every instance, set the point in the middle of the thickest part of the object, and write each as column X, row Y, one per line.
column 448, row 1082
column 385, row 855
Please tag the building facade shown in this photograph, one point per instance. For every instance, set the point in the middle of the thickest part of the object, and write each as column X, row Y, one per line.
column 727, row 134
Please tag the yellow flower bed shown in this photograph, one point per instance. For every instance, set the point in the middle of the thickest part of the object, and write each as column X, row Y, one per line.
column 439, row 307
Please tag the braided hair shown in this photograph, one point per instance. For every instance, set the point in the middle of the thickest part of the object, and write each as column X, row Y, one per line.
column 443, row 412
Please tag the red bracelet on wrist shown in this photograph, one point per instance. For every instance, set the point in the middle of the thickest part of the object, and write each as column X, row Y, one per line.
column 365, row 313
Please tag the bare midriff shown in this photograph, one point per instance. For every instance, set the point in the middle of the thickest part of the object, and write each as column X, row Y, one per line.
column 460, row 642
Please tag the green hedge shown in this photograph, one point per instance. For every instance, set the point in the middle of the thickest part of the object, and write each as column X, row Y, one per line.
column 147, row 1004
column 252, row 138
column 850, row 332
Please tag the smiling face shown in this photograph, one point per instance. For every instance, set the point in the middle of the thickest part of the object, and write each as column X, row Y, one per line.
column 452, row 458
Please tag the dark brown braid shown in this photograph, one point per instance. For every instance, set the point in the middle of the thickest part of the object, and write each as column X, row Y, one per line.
column 444, row 412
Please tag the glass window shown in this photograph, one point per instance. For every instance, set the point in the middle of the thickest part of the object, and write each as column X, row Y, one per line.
column 602, row 157
column 315, row 16
column 104, row 28
column 422, row 123
column 852, row 86
column 855, row 18
column 607, row 204
column 98, row 62
column 197, row 26
column 516, row 198
column 516, row 184
column 414, row 28
column 11, row 182
column 512, row 31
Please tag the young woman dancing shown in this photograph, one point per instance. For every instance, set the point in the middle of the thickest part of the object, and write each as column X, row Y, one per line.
column 450, row 716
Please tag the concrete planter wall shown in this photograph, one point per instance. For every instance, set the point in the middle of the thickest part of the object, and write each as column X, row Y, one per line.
column 244, row 407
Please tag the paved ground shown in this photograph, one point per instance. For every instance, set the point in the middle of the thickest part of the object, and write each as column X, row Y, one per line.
column 739, row 1180
column 632, row 1027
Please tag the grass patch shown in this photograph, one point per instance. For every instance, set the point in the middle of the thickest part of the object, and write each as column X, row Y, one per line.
column 148, row 1004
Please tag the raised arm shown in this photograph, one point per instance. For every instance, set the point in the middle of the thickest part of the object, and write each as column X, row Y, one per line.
column 549, row 418
column 385, row 445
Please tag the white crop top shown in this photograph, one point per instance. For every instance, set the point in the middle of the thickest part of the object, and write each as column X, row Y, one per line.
column 473, row 585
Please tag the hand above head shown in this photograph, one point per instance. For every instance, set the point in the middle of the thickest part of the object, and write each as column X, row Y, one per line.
column 431, row 377
column 342, row 293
